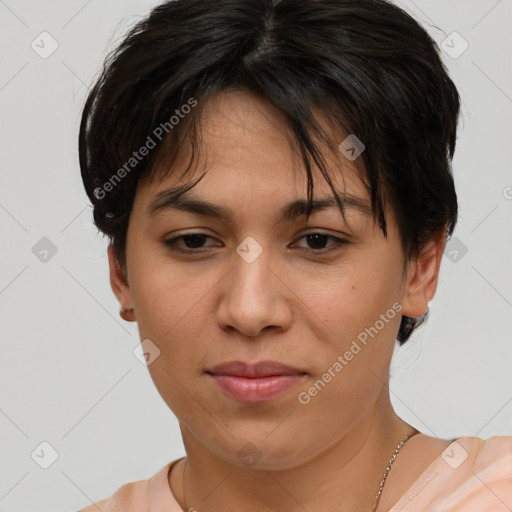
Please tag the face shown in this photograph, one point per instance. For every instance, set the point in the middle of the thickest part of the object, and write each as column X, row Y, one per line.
column 323, row 295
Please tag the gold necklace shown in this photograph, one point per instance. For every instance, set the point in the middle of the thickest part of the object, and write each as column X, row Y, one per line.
column 390, row 463
column 379, row 493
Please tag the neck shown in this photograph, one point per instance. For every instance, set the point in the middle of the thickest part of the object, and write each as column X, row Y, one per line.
column 345, row 477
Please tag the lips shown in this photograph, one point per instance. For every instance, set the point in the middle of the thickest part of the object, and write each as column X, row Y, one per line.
column 261, row 369
column 253, row 383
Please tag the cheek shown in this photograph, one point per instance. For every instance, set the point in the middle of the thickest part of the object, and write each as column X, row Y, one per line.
column 354, row 313
column 173, row 307
column 352, row 296
column 356, row 327
column 166, row 295
column 172, row 311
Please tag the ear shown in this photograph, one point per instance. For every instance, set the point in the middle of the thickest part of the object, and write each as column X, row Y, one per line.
column 422, row 277
column 120, row 286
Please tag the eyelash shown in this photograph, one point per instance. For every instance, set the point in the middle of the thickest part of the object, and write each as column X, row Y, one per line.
column 338, row 243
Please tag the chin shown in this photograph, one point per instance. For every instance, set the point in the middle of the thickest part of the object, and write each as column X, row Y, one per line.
column 260, row 451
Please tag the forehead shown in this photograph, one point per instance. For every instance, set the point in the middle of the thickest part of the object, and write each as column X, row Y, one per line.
column 246, row 147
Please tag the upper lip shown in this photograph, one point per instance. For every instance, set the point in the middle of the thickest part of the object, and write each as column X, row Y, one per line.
column 260, row 369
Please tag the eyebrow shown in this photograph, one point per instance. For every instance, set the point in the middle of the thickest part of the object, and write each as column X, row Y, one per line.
column 176, row 199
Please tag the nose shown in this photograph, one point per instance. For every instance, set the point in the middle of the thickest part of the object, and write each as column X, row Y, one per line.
column 254, row 297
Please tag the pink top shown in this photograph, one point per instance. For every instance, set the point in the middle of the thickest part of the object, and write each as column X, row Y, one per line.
column 471, row 475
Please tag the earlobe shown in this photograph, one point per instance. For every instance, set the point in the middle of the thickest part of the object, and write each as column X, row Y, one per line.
column 423, row 276
column 120, row 286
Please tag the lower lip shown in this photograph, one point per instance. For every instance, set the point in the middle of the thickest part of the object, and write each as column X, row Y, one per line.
column 253, row 390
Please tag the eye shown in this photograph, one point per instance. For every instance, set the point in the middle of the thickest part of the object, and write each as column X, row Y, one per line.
column 318, row 241
column 192, row 241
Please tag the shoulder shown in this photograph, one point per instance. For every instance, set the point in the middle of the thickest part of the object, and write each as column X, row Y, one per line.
column 494, row 458
column 493, row 455
column 498, row 445
column 131, row 497
column 478, row 473
column 470, row 474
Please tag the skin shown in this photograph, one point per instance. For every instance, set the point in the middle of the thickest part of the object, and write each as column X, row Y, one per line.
column 290, row 305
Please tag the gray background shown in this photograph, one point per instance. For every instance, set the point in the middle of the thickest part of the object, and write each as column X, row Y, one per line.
column 68, row 375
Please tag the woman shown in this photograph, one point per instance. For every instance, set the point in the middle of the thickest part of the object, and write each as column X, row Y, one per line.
column 221, row 144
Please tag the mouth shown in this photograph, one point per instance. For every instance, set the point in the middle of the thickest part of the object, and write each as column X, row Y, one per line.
column 253, row 383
